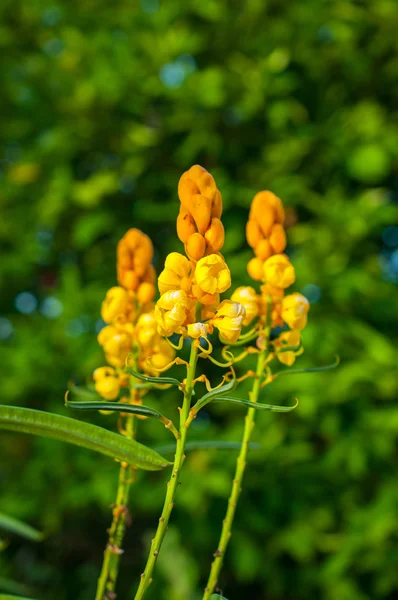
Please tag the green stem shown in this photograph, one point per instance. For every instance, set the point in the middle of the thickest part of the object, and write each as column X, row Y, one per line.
column 236, row 484
column 110, row 566
column 146, row 576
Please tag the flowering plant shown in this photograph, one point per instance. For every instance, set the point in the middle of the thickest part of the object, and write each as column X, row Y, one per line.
column 142, row 339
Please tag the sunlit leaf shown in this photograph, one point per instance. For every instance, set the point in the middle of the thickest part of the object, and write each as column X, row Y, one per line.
column 82, row 434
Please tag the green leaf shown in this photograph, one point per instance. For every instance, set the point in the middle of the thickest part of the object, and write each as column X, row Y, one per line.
column 83, row 392
column 157, row 380
column 228, row 387
column 309, row 369
column 12, row 525
column 82, row 434
column 206, row 445
column 7, row 597
column 144, row 411
column 132, row 409
column 217, row 597
column 258, row 405
column 288, row 349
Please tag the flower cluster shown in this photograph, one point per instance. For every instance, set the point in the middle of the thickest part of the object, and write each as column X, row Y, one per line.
column 128, row 313
column 190, row 286
column 266, row 235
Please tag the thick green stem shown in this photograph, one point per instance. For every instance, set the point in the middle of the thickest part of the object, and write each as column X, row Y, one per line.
column 146, row 576
column 236, row 484
column 113, row 550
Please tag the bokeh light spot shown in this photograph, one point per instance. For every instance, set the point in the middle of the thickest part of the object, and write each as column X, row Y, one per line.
column 6, row 328
column 25, row 303
column 51, row 307
column 312, row 292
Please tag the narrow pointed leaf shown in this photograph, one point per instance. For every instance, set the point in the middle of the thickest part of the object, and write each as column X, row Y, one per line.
column 132, row 409
column 83, row 392
column 288, row 349
column 258, row 405
column 309, row 369
column 206, row 445
column 12, row 525
column 157, row 380
column 7, row 597
column 228, row 387
column 144, row 411
column 82, row 434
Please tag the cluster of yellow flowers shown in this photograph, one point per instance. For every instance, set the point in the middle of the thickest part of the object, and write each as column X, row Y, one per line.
column 128, row 312
column 190, row 286
column 266, row 235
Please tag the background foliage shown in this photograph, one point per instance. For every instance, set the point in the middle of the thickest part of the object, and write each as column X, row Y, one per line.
column 103, row 106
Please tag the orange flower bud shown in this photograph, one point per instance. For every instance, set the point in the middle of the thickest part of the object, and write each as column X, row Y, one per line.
column 255, row 269
column 196, row 246
column 277, row 238
column 134, row 255
column 199, row 197
column 185, row 225
column 214, row 236
column 263, row 249
column 253, row 233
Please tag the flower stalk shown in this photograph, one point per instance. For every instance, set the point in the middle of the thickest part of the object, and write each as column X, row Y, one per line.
column 146, row 576
column 237, row 480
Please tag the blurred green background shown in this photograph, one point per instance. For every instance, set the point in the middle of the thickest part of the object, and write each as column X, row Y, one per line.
column 103, row 106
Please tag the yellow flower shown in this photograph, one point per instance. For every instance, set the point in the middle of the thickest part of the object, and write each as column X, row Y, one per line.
column 295, row 308
column 229, row 320
column 212, row 276
column 116, row 342
column 255, row 268
column 134, row 255
column 288, row 339
column 250, row 300
column 197, row 330
column 171, row 312
column 106, row 383
column 145, row 330
column 159, row 353
column 116, row 306
column 279, row 271
column 176, row 274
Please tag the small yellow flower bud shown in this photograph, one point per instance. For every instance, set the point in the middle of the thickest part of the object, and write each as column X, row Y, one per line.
column 161, row 355
column 295, row 308
column 197, row 330
column 212, row 276
column 263, row 201
column 172, row 311
column 229, row 320
column 215, row 236
column 176, row 274
column 106, row 382
column 277, row 238
column 287, row 339
column 196, row 246
column 255, row 268
column 250, row 300
column 116, row 342
column 146, row 292
column 279, row 271
column 145, row 330
column 116, row 305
